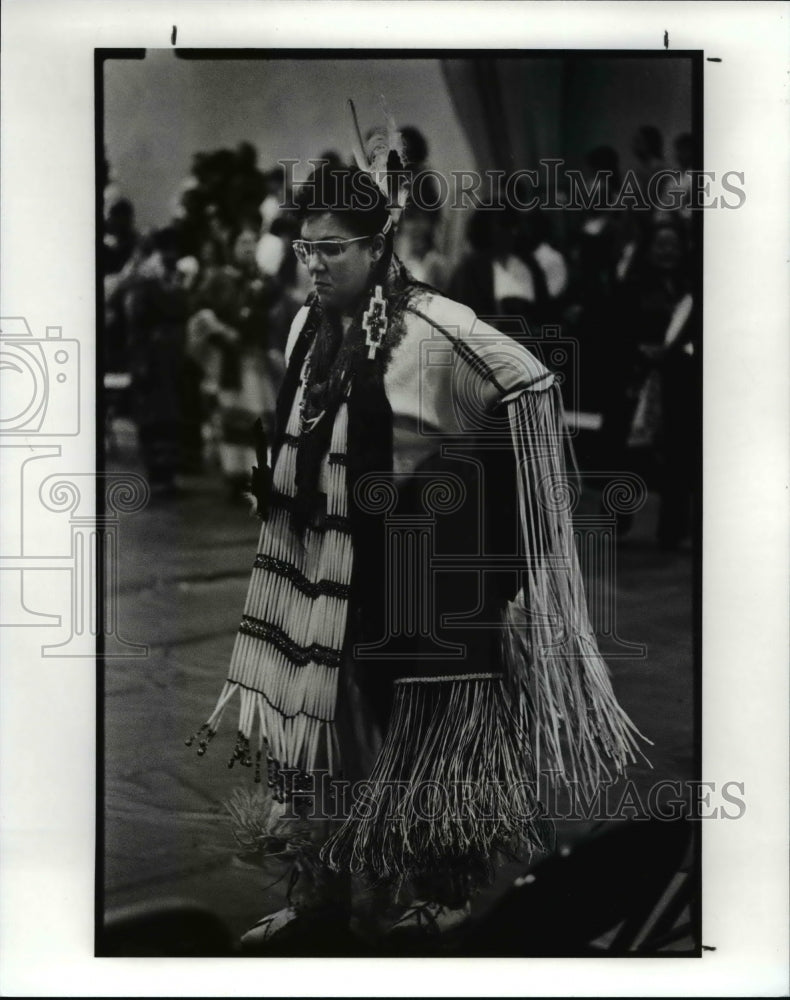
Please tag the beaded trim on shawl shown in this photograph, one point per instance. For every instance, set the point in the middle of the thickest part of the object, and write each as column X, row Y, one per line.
column 287, row 651
column 289, row 644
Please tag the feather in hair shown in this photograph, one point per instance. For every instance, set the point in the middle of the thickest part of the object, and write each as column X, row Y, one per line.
column 384, row 158
column 385, row 151
column 394, row 137
column 357, row 145
column 398, row 183
column 387, row 155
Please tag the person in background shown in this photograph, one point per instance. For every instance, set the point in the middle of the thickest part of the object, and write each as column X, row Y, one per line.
column 247, row 184
column 165, row 380
column 216, row 173
column 189, row 220
column 120, row 236
column 534, row 246
column 426, row 194
column 273, row 194
column 654, row 355
column 418, row 253
column 425, row 203
column 647, row 147
column 511, row 270
column 684, row 157
column 238, row 332
column 111, row 190
column 212, row 264
column 118, row 257
column 218, row 227
column 599, row 242
column 209, row 326
column 599, row 256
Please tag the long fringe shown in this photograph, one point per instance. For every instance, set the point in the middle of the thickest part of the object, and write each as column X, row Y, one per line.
column 551, row 654
column 285, row 659
column 454, row 784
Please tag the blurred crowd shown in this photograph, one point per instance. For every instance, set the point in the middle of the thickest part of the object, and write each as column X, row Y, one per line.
column 197, row 312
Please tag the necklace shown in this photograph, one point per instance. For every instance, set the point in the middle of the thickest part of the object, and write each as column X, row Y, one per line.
column 360, row 342
column 305, row 424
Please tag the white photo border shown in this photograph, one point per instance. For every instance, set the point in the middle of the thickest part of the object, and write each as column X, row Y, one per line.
column 47, row 707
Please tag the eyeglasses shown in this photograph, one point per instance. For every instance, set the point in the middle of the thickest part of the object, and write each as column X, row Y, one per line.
column 326, row 249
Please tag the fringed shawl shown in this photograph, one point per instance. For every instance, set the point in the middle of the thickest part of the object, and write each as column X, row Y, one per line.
column 486, row 729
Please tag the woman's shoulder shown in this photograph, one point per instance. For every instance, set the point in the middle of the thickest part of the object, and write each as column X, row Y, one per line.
column 443, row 312
column 454, row 319
column 495, row 356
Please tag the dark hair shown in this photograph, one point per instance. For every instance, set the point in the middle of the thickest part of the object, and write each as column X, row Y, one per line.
column 246, row 155
column 121, row 210
column 351, row 195
column 276, row 175
column 167, row 240
column 653, row 140
column 604, row 158
column 416, row 146
column 285, row 226
column 332, row 157
column 485, row 222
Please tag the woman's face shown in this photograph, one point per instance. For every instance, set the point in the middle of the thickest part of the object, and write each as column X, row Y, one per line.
column 340, row 280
